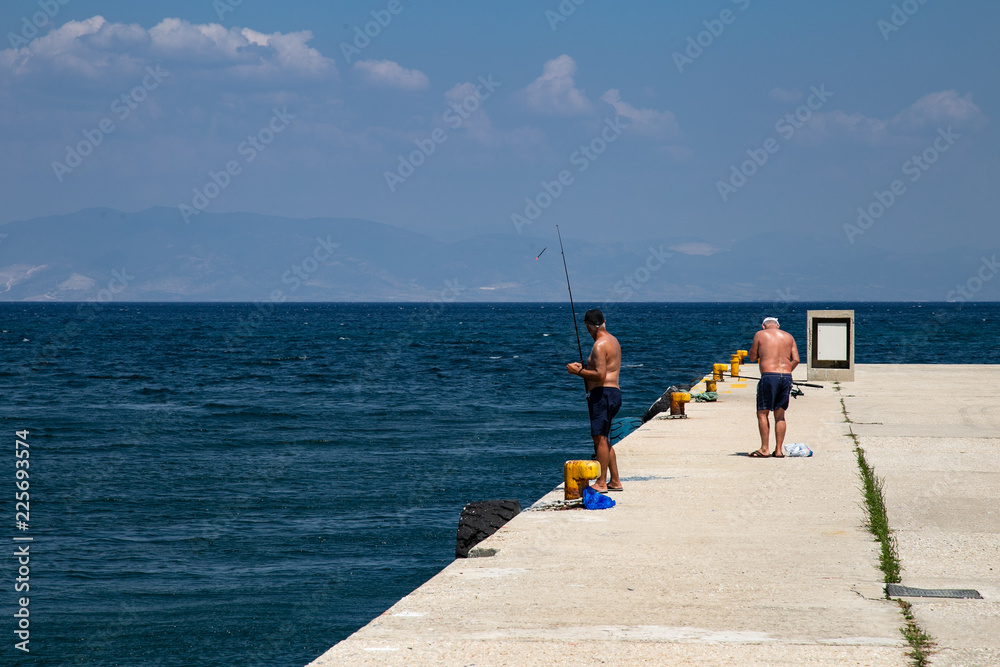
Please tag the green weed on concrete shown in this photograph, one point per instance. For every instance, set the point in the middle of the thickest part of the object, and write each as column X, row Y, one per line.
column 921, row 643
column 876, row 519
column 877, row 523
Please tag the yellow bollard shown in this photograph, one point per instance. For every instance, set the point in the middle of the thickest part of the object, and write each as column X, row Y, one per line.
column 677, row 401
column 743, row 355
column 577, row 475
column 717, row 372
column 710, row 385
column 734, row 366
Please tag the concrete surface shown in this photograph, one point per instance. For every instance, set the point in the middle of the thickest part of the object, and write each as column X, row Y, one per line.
column 713, row 558
column 933, row 434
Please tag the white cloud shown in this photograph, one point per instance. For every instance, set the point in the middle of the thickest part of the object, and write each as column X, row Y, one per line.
column 99, row 52
column 389, row 74
column 941, row 108
column 829, row 124
column 644, row 121
column 555, row 93
column 782, row 95
column 930, row 112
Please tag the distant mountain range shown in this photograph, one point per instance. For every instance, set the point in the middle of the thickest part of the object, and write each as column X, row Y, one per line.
column 153, row 255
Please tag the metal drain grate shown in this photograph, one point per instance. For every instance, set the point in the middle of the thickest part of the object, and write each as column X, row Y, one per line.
column 895, row 590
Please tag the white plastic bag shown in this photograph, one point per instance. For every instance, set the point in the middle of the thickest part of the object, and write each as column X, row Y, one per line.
column 797, row 449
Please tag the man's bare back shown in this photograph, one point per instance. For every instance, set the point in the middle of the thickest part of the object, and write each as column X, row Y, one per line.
column 776, row 350
column 778, row 355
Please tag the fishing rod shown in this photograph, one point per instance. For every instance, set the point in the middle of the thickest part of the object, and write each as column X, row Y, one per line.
column 804, row 384
column 572, row 308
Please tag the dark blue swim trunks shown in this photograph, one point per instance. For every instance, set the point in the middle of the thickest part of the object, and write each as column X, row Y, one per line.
column 773, row 390
column 603, row 403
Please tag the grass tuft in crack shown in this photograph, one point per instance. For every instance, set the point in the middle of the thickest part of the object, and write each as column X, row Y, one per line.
column 876, row 519
column 877, row 523
column 921, row 643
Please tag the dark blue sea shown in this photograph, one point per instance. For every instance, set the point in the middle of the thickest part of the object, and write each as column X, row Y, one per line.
column 249, row 484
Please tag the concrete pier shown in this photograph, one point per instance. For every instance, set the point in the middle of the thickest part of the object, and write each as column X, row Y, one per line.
column 711, row 557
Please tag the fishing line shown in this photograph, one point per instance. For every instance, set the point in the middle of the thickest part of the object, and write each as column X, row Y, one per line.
column 572, row 308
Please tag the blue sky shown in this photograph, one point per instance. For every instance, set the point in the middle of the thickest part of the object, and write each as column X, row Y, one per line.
column 666, row 123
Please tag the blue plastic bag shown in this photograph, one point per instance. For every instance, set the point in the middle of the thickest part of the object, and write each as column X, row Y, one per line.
column 595, row 500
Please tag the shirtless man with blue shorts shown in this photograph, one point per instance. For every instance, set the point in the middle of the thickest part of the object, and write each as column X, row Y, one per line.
column 778, row 355
column 604, row 398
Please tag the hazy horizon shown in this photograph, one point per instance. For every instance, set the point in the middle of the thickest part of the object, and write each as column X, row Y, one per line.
column 868, row 125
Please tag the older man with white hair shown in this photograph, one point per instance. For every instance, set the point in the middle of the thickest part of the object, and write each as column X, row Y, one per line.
column 778, row 356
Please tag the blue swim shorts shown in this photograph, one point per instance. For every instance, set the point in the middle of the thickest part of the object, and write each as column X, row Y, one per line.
column 603, row 403
column 773, row 390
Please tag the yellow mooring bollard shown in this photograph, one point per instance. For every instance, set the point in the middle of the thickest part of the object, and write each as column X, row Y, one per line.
column 734, row 366
column 677, row 401
column 718, row 372
column 743, row 355
column 577, row 475
column 710, row 385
